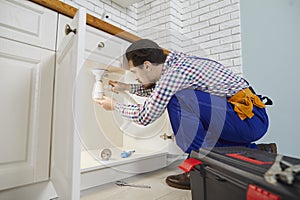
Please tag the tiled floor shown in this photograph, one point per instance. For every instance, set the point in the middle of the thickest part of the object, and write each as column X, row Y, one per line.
column 159, row 189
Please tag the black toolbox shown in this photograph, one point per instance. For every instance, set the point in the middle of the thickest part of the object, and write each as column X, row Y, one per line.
column 237, row 173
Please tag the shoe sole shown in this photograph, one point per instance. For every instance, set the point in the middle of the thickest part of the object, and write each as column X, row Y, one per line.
column 174, row 185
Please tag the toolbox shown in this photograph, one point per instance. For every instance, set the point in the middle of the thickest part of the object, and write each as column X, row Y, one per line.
column 237, row 173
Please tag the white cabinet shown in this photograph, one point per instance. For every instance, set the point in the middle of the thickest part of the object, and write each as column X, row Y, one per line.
column 98, row 129
column 26, row 87
column 48, row 106
column 28, row 22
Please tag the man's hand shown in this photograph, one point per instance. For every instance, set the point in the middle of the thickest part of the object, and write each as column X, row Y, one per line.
column 106, row 102
column 118, row 86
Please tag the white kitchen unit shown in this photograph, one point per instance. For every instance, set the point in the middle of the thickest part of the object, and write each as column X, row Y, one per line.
column 27, row 61
column 51, row 131
column 98, row 129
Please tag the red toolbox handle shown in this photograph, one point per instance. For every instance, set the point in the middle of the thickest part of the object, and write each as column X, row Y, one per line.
column 250, row 160
column 257, row 193
column 189, row 164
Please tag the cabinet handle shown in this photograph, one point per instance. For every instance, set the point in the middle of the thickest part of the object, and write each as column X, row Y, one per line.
column 166, row 136
column 101, row 45
column 68, row 29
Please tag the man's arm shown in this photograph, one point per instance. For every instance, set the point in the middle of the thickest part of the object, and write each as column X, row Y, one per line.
column 139, row 89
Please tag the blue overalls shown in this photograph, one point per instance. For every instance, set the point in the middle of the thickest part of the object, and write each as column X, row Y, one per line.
column 200, row 119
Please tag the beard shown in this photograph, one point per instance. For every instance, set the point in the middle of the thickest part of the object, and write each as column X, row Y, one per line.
column 149, row 86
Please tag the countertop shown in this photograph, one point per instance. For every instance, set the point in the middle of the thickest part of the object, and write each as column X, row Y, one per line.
column 70, row 11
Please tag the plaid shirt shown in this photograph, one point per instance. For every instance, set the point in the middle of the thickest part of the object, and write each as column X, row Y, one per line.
column 181, row 71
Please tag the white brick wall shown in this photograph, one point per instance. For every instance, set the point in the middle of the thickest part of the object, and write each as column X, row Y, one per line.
column 160, row 20
column 214, row 29
column 209, row 28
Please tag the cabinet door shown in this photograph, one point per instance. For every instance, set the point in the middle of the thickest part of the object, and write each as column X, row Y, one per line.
column 29, row 23
column 26, row 86
column 65, row 169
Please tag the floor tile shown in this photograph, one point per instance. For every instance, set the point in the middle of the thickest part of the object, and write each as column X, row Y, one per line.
column 159, row 189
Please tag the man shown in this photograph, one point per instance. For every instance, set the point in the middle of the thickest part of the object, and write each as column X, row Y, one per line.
column 208, row 105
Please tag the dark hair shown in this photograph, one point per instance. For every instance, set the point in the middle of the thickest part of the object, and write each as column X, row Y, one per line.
column 145, row 50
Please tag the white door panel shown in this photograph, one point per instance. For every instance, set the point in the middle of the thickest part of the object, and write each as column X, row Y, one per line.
column 26, row 85
column 27, row 22
column 65, row 169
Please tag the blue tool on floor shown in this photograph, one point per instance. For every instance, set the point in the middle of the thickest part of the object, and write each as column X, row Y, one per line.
column 126, row 154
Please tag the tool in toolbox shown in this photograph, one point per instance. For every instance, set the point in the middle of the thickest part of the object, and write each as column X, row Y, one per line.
column 276, row 172
column 123, row 183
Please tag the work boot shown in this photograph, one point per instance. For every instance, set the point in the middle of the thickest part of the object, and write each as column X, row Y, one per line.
column 180, row 181
column 271, row 147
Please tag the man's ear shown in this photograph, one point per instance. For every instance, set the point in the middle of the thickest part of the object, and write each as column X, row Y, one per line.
column 147, row 65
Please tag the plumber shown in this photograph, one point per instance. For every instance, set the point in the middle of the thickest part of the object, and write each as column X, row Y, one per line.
column 208, row 105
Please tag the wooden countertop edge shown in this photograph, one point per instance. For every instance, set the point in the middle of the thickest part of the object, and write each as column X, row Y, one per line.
column 70, row 11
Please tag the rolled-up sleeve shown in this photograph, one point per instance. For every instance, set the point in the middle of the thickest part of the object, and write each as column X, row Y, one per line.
column 156, row 103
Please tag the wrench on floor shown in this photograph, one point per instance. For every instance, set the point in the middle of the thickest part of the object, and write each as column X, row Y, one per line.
column 123, row 183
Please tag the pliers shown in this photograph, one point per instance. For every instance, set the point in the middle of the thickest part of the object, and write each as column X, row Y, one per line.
column 275, row 172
